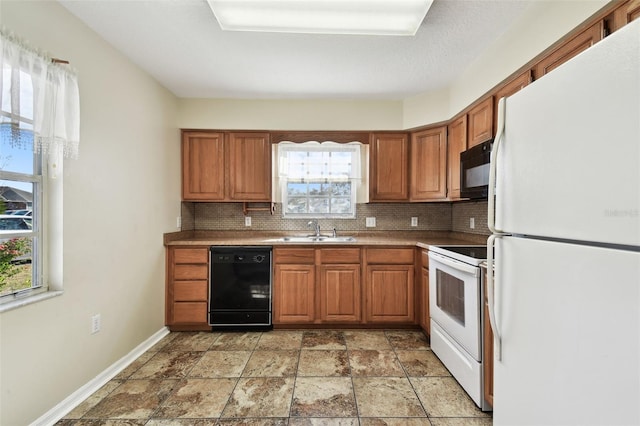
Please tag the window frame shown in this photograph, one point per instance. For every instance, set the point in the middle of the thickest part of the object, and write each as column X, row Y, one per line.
column 37, row 180
column 314, row 146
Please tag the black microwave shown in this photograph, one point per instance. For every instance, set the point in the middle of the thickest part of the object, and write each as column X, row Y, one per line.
column 474, row 171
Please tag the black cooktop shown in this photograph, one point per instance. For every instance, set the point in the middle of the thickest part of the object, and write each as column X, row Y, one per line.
column 477, row 252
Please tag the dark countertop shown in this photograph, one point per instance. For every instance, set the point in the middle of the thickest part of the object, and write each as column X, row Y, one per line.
column 373, row 238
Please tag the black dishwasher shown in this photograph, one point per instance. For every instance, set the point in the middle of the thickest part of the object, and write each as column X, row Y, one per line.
column 240, row 287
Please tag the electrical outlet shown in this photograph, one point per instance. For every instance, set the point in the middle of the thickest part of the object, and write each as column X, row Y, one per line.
column 95, row 323
column 414, row 221
column 179, row 222
column 370, row 222
column 472, row 223
column 247, row 221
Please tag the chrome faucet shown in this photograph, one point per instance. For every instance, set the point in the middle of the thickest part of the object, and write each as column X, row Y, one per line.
column 315, row 225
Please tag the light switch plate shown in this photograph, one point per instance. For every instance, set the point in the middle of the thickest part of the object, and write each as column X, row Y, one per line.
column 414, row 221
column 247, row 221
column 472, row 223
column 370, row 222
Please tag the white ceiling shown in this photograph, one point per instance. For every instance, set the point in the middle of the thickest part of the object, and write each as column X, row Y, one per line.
column 180, row 43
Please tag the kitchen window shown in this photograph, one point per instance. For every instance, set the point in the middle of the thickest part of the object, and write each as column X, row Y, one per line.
column 39, row 126
column 319, row 180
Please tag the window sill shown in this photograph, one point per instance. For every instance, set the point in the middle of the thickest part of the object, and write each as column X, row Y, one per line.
column 27, row 300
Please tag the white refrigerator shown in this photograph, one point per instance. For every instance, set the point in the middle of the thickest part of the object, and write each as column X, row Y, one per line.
column 564, row 210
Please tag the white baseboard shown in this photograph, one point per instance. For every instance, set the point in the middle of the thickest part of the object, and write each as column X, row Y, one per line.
column 73, row 400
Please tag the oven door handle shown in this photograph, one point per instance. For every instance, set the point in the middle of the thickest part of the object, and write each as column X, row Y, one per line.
column 491, row 296
column 461, row 266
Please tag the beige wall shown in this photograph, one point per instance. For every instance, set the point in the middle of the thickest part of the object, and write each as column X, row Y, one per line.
column 120, row 196
column 290, row 114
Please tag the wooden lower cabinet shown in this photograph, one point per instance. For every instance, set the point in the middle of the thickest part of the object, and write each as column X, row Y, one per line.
column 390, row 293
column 340, row 293
column 344, row 286
column 390, row 286
column 187, row 288
column 293, row 294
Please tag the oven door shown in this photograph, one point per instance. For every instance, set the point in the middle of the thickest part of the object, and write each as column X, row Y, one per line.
column 454, row 300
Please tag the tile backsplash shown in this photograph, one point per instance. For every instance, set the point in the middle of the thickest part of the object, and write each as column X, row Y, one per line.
column 389, row 217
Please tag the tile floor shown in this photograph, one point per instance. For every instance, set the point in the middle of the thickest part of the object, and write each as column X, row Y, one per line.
column 312, row 377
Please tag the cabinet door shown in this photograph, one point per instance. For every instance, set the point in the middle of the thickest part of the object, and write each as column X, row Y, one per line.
column 390, row 293
column 202, row 166
column 457, row 142
column 340, row 293
column 249, row 167
column 568, row 50
column 509, row 89
column 429, row 165
column 389, row 167
column 293, row 294
column 480, row 121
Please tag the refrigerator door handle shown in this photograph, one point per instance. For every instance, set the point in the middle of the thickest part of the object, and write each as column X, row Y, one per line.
column 491, row 297
column 493, row 167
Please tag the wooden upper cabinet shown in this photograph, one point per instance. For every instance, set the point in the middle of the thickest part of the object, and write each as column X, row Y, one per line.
column 621, row 16
column 480, row 123
column 457, row 142
column 218, row 166
column 389, row 167
column 249, row 167
column 202, row 166
column 568, row 50
column 429, row 165
column 509, row 89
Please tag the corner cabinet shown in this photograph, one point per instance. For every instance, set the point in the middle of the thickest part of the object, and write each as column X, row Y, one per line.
column 389, row 167
column 429, row 165
column 390, row 289
column 221, row 166
column 187, row 288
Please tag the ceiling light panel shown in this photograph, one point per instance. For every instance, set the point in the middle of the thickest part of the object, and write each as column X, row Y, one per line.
column 366, row 17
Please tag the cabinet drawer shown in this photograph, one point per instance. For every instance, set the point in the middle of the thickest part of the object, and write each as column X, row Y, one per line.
column 190, row 291
column 190, row 313
column 340, row 255
column 190, row 255
column 388, row 256
column 294, row 255
column 191, row 272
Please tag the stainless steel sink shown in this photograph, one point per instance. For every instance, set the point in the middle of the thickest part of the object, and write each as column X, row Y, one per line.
column 314, row 239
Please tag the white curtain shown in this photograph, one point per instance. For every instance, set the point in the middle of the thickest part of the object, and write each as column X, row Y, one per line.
column 39, row 99
column 314, row 161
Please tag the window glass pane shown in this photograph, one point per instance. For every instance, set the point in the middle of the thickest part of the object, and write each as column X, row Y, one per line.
column 296, row 205
column 15, row 264
column 294, row 189
column 340, row 205
column 318, row 205
column 17, row 159
column 16, row 197
column 315, row 189
column 341, row 188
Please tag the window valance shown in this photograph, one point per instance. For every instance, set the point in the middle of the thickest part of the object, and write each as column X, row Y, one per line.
column 49, row 120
